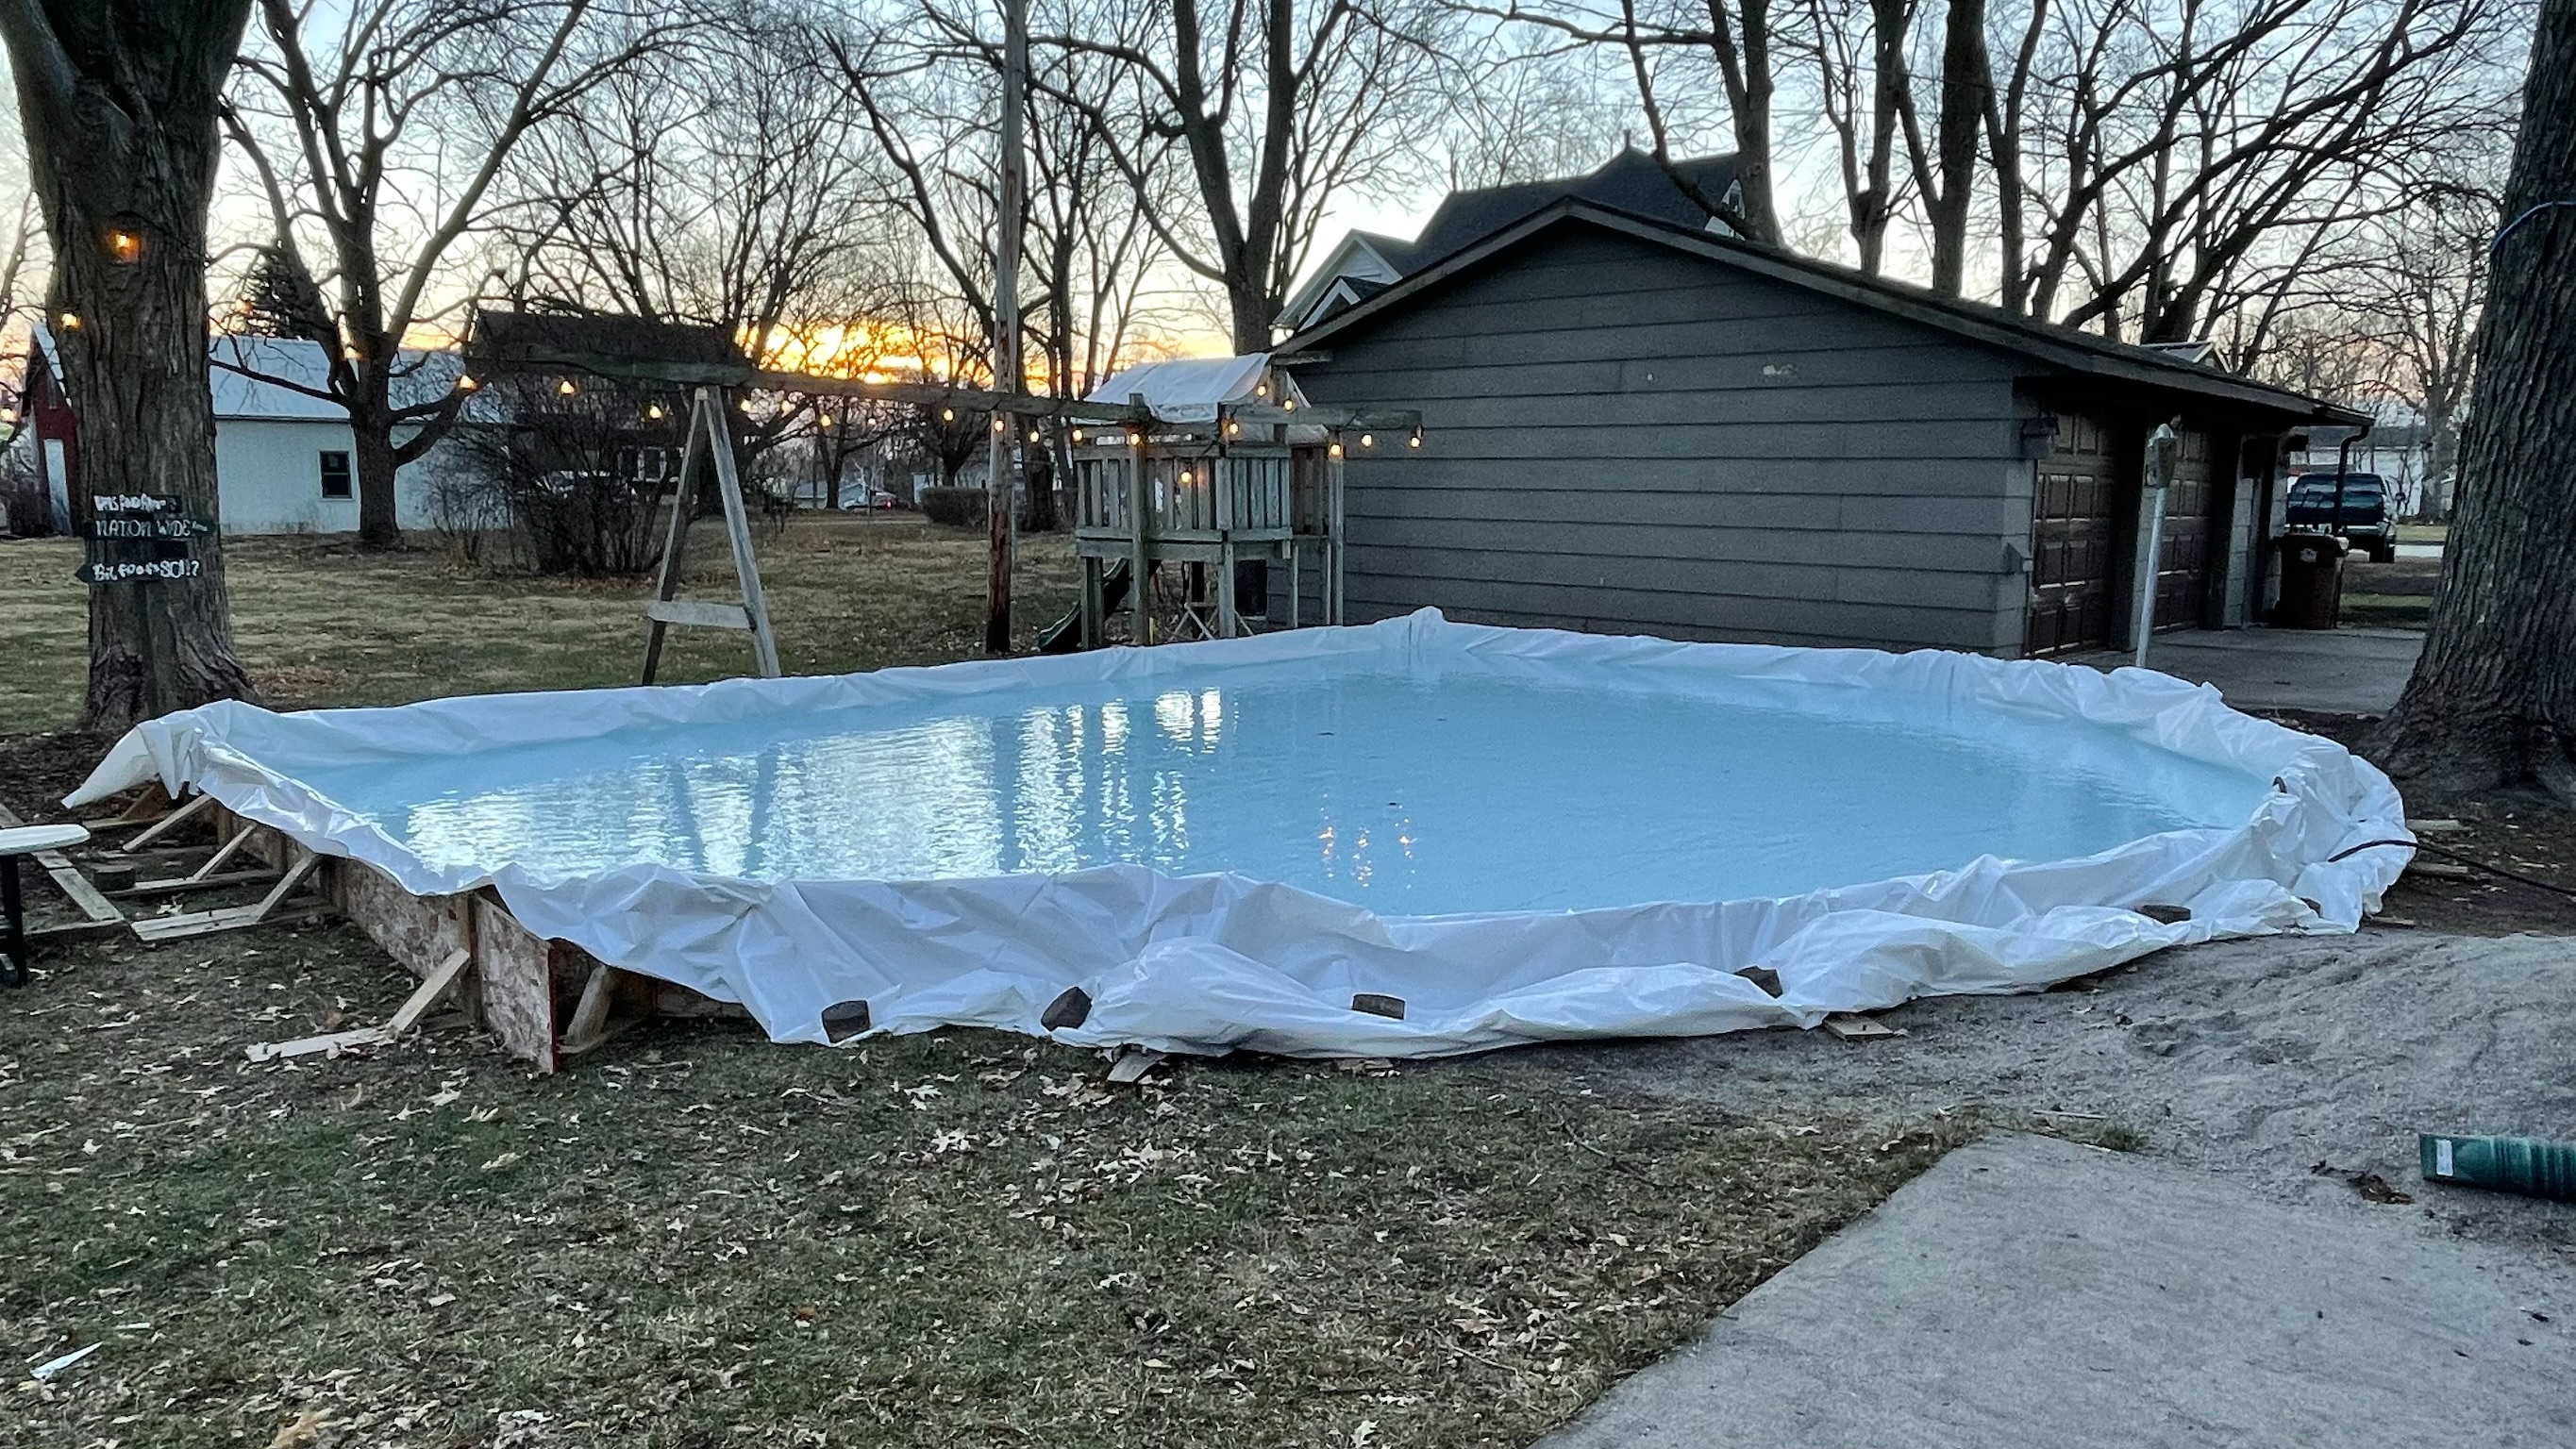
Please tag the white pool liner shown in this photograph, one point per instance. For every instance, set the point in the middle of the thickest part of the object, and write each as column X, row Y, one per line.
column 1212, row 963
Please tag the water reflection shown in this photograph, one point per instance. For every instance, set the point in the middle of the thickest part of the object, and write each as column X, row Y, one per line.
column 1466, row 793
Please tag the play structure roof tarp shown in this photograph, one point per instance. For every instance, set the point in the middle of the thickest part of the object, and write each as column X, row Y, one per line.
column 1189, row 389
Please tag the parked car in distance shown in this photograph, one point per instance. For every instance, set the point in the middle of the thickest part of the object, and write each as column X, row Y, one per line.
column 867, row 500
column 2352, row 506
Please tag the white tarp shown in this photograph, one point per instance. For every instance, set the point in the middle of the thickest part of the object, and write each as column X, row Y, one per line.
column 1191, row 389
column 1215, row 961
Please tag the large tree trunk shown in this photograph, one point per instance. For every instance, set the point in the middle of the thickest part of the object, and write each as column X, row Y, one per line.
column 1967, row 90
column 371, row 431
column 118, row 106
column 2493, row 699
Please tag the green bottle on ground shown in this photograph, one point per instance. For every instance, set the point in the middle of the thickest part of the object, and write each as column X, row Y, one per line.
column 2525, row 1165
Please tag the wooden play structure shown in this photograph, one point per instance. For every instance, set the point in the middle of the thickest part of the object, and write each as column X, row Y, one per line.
column 1226, row 466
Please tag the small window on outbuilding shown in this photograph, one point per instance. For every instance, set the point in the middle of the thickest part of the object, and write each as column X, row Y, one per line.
column 335, row 475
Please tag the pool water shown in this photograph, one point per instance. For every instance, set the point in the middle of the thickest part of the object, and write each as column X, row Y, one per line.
column 1464, row 791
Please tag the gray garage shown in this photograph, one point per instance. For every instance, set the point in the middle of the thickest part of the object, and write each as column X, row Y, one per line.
column 1642, row 428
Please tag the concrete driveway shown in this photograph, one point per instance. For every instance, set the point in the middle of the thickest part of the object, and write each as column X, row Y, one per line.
column 2337, row 671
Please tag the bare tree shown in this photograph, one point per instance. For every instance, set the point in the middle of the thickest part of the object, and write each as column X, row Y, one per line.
column 353, row 121
column 1270, row 110
column 117, row 103
column 2493, row 699
column 1670, row 47
column 2422, row 300
column 2178, row 155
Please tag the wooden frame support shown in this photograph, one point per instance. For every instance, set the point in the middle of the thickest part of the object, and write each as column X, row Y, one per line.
column 709, row 433
column 236, row 918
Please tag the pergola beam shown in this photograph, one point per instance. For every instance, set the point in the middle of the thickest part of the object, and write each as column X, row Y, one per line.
column 923, row 394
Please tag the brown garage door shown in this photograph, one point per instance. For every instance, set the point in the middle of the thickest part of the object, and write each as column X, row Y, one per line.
column 2182, row 560
column 2074, row 520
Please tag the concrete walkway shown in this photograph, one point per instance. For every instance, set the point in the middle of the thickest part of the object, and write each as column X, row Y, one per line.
column 2339, row 671
column 2027, row 1293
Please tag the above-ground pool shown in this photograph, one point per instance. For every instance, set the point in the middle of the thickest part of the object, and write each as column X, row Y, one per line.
column 1505, row 835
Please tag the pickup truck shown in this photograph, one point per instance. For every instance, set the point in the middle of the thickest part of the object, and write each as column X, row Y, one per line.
column 2353, row 506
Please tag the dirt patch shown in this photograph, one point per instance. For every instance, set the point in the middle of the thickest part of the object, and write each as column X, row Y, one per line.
column 2524, row 832
column 2304, row 1065
column 699, row 1238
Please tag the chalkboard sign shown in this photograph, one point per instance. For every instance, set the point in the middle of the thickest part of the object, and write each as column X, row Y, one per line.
column 129, row 526
column 136, row 504
column 141, row 538
column 138, row 571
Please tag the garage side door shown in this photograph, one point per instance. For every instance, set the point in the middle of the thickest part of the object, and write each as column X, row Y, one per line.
column 2073, row 525
column 2182, row 560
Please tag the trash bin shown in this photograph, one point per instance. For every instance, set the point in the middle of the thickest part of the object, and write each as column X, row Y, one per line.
column 2311, row 581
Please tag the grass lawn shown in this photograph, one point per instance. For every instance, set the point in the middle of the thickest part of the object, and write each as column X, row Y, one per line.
column 695, row 1238
column 2391, row 595
column 322, row 624
column 2423, row 533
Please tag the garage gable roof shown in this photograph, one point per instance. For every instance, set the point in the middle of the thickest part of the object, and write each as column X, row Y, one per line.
column 2063, row 349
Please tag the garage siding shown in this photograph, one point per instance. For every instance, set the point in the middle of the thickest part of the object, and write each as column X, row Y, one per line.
column 1623, row 438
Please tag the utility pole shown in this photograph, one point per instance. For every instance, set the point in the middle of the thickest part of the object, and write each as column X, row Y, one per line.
column 1002, row 473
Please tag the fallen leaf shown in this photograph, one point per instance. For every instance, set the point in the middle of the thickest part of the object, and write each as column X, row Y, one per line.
column 306, row 1426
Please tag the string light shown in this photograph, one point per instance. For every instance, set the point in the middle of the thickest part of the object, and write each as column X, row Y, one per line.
column 1337, row 447
column 1288, row 405
column 1233, row 428
column 1415, row 441
column 465, row 382
column 948, row 415
column 1368, row 440
column 1262, row 391
column 823, row 420
column 1077, row 435
column 566, row 388
column 1185, row 475
column 124, row 247
column 1135, row 440
column 1033, row 435
column 653, row 412
column 70, row 321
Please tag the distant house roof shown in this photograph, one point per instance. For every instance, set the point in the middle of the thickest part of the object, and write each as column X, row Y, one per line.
column 558, row 339
column 2063, row 348
column 1632, row 181
column 288, row 379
